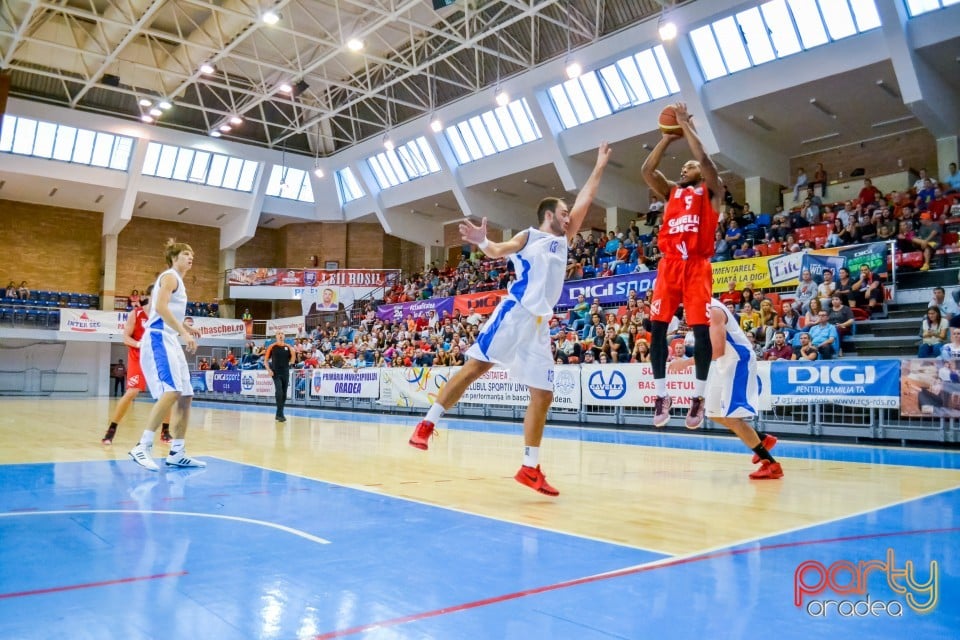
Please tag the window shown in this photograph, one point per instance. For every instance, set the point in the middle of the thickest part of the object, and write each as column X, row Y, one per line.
column 916, row 7
column 493, row 131
column 290, row 183
column 199, row 167
column 348, row 189
column 626, row 83
column 777, row 29
column 23, row 136
column 412, row 160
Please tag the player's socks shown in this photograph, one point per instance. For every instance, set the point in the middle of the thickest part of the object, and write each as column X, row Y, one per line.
column 147, row 438
column 531, row 456
column 761, row 451
column 177, row 446
column 435, row 412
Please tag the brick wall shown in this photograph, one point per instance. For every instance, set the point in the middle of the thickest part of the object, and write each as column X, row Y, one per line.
column 52, row 248
column 263, row 250
column 140, row 256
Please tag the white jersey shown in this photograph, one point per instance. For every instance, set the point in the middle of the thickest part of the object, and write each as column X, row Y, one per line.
column 735, row 335
column 177, row 305
column 540, row 268
column 733, row 387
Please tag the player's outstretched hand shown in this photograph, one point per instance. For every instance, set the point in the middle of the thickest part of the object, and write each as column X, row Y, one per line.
column 603, row 154
column 472, row 233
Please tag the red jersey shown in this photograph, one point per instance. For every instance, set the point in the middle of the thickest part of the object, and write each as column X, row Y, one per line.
column 135, row 379
column 689, row 223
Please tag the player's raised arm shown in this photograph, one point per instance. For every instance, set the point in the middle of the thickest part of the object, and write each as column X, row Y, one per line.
column 707, row 168
column 581, row 206
column 477, row 234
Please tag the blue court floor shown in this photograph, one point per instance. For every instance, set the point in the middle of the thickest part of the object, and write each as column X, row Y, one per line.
column 105, row 549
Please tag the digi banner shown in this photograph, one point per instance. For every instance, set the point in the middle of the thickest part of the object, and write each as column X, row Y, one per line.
column 292, row 325
column 861, row 383
column 225, row 381
column 930, row 388
column 874, row 255
column 419, row 386
column 609, row 290
column 399, row 311
column 217, row 327
column 92, row 321
column 345, row 383
column 482, row 303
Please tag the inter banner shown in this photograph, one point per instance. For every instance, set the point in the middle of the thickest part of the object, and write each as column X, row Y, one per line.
column 345, row 383
column 92, row 321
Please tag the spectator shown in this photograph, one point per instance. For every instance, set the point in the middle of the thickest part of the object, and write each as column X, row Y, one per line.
column 11, row 291
column 731, row 294
column 734, row 234
column 641, row 351
column 840, row 316
column 745, row 251
column 811, row 317
column 789, row 320
column 768, row 323
column 800, row 182
column 806, row 291
column 927, row 238
column 747, row 296
column 869, row 194
column 953, row 180
column 834, row 238
column 845, row 286
column 757, row 349
column 806, row 351
column 868, row 291
column 820, row 178
column 826, row 288
column 951, row 350
column 779, row 350
column 922, row 180
column 134, row 299
column 887, row 226
column 933, row 333
column 656, row 208
column 749, row 319
column 948, row 306
column 23, row 292
column 118, row 373
column 721, row 248
column 824, row 336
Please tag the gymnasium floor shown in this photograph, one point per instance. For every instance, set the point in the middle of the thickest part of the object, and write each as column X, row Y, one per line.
column 330, row 526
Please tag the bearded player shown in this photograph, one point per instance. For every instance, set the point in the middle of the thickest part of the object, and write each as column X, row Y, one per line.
column 684, row 274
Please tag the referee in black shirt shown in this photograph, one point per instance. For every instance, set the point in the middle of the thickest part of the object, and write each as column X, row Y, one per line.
column 278, row 359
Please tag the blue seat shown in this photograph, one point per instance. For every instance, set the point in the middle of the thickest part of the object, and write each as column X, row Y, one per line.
column 6, row 314
column 31, row 317
column 19, row 314
column 625, row 268
column 53, row 318
column 763, row 220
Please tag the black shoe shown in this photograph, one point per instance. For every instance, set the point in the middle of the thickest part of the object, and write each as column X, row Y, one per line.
column 281, row 419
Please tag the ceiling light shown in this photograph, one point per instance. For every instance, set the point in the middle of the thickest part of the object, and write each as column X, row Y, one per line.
column 270, row 17
column 236, row 121
column 890, row 91
column 225, row 128
column 155, row 112
column 436, row 125
column 667, row 29
column 355, row 44
column 144, row 102
column 214, row 134
column 146, row 118
column 503, row 98
column 759, row 122
column 164, row 104
column 285, row 88
column 822, row 109
column 318, row 172
column 388, row 143
column 574, row 70
column 206, row 68
column 826, row 136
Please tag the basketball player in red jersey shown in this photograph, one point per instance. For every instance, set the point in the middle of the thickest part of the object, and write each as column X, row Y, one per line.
column 684, row 274
column 132, row 334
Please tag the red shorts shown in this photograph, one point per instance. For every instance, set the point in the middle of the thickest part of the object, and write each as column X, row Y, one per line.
column 687, row 281
column 135, row 379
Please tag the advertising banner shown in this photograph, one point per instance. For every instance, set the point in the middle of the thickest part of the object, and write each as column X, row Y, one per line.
column 259, row 276
column 292, row 325
column 399, row 311
column 753, row 272
column 198, row 381
column 290, row 278
column 862, row 383
column 929, row 388
column 419, row 386
column 92, row 321
column 631, row 385
column 345, row 383
column 217, row 327
column 256, row 382
column 874, row 255
column 609, row 290
column 482, row 303
column 817, row 263
column 226, row 381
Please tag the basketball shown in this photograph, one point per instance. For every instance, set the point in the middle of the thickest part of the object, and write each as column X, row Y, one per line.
column 668, row 121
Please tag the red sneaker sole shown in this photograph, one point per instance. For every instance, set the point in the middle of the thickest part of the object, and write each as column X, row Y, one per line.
column 417, row 445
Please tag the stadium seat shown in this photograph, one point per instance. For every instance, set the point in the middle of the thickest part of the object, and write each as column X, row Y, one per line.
column 19, row 315
column 6, row 314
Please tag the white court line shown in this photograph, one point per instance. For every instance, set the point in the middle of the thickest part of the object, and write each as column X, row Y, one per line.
column 447, row 508
column 262, row 523
column 739, row 543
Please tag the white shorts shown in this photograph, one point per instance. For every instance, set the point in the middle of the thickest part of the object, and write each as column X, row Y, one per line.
column 733, row 387
column 164, row 365
column 519, row 341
